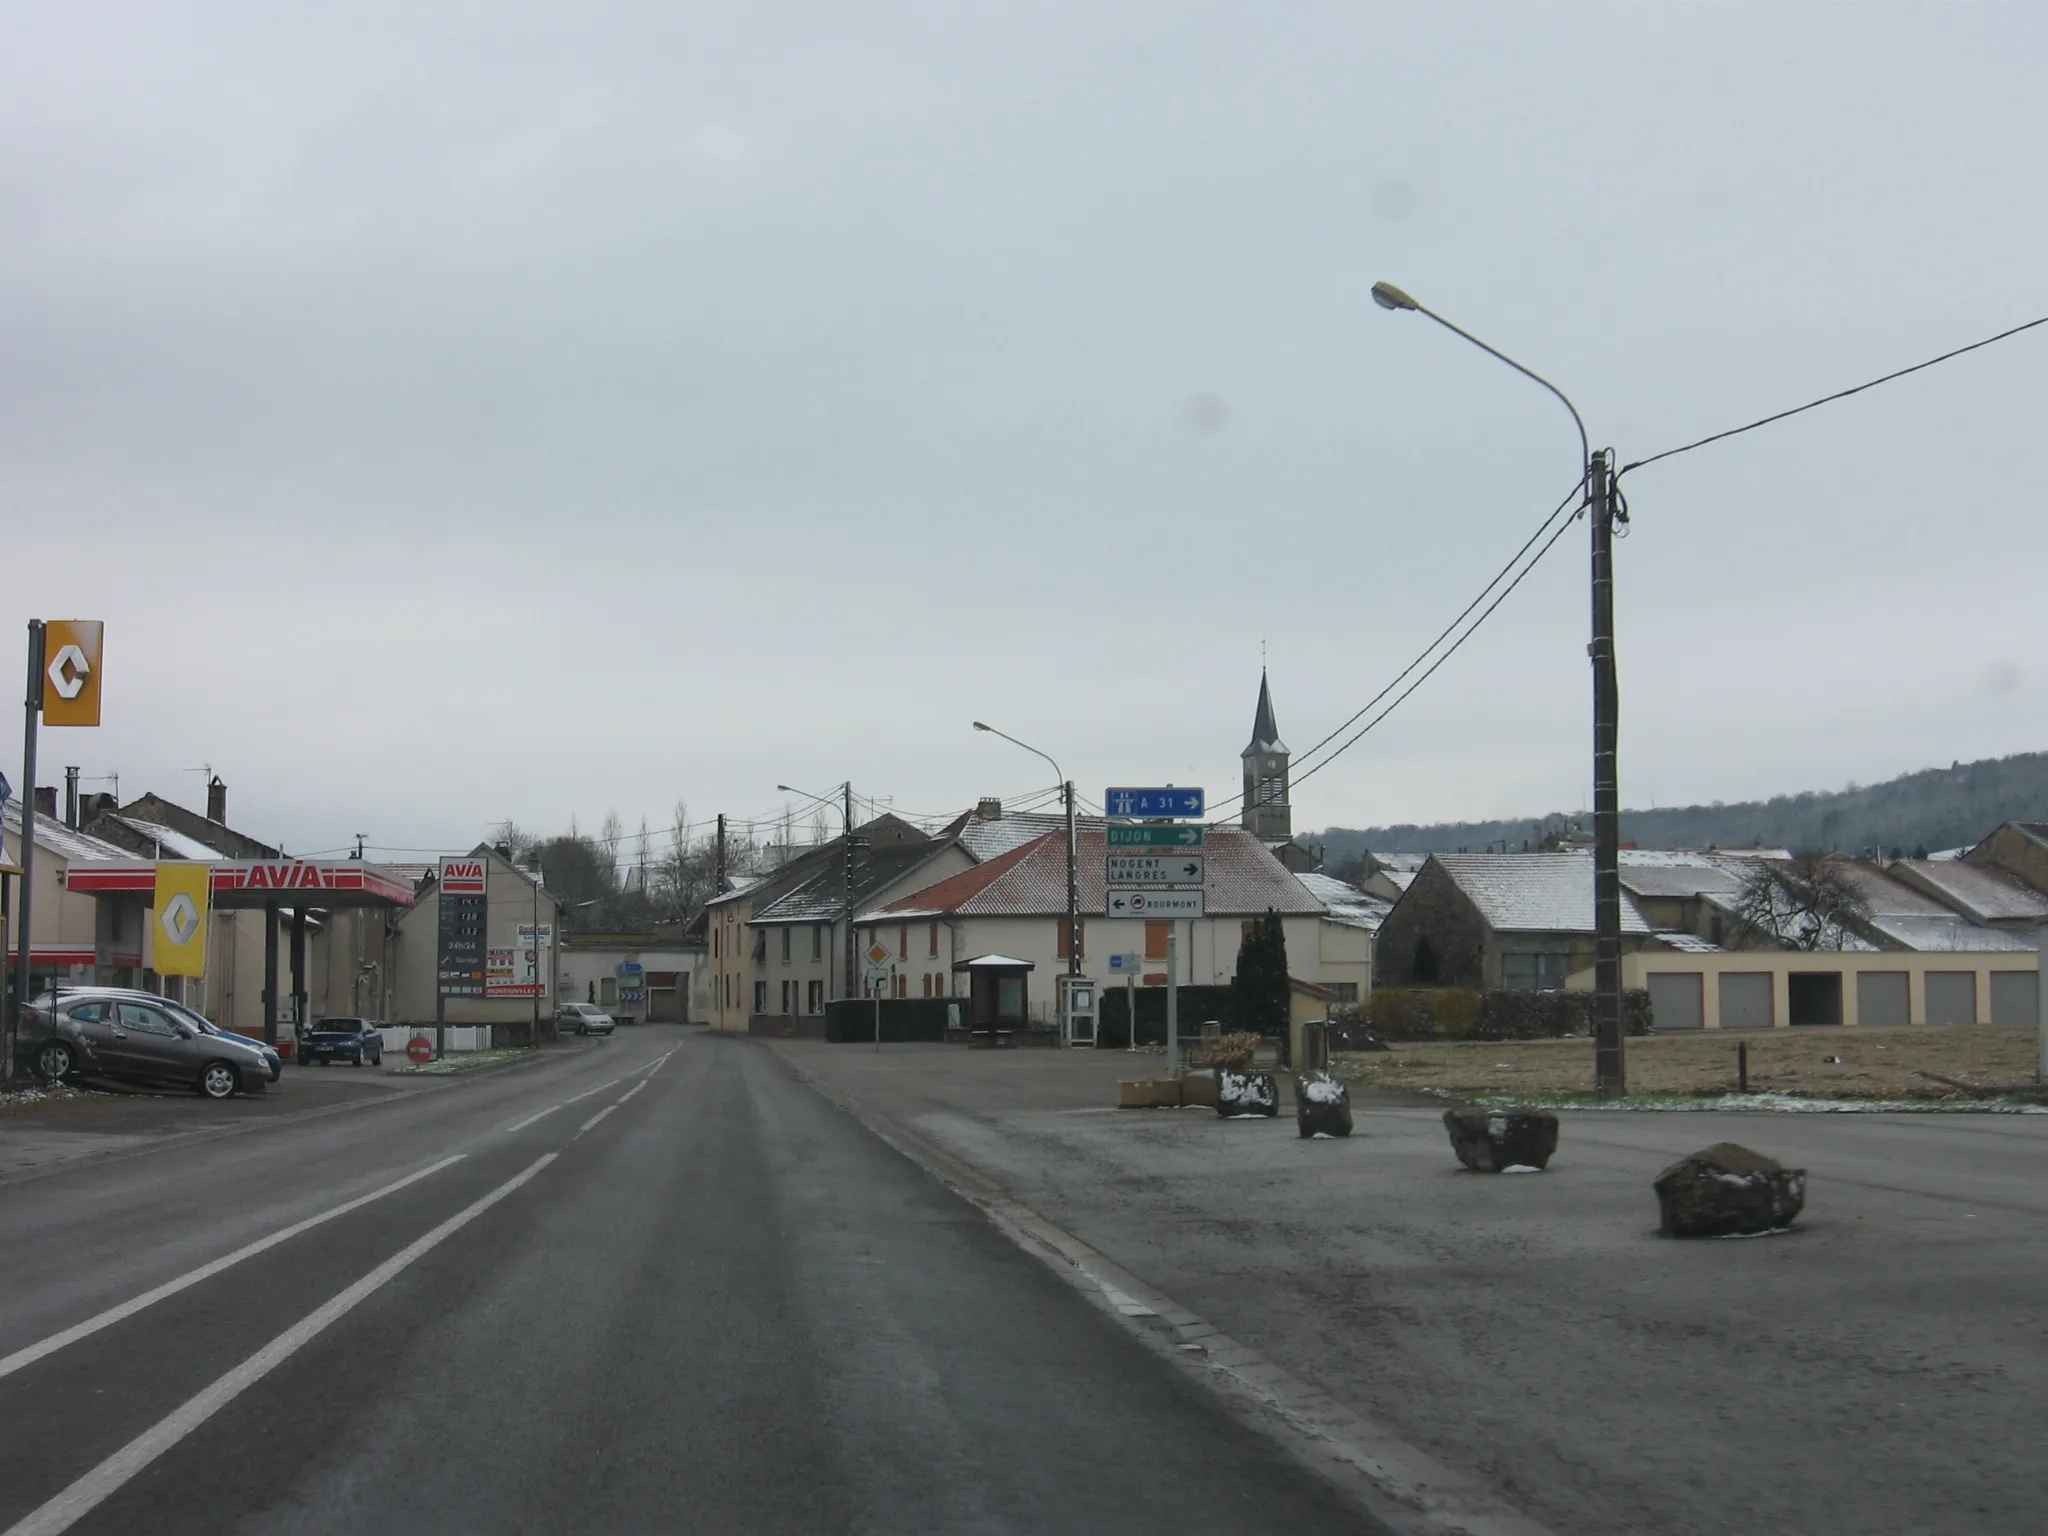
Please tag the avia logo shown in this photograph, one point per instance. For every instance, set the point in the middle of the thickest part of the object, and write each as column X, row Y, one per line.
column 283, row 877
column 69, row 672
column 463, row 877
column 180, row 918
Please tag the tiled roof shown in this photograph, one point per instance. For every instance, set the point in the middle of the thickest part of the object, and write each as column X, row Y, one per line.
column 1533, row 892
column 822, row 897
column 1346, row 904
column 175, row 844
column 1678, row 873
column 60, row 839
column 1980, row 891
column 1240, row 879
column 1688, row 943
column 1918, row 921
column 985, row 840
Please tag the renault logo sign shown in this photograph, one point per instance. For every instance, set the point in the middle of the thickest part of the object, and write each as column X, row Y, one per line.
column 180, row 918
column 72, row 676
column 68, row 673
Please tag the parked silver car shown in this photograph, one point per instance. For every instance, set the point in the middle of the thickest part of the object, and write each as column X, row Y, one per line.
column 118, row 1033
column 584, row 1018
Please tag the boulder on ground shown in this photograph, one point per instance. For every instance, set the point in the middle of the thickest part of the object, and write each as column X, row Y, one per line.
column 1246, row 1093
column 1322, row 1105
column 1727, row 1190
column 1494, row 1140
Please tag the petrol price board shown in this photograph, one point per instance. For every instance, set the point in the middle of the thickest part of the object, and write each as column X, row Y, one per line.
column 1161, row 837
column 462, row 902
column 1167, row 869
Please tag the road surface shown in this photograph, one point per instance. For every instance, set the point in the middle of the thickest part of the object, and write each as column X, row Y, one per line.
column 658, row 1285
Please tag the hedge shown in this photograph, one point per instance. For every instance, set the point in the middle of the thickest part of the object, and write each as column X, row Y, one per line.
column 1197, row 1006
column 851, row 1020
column 1463, row 1013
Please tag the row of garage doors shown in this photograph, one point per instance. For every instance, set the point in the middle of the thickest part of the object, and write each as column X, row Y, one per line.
column 1747, row 998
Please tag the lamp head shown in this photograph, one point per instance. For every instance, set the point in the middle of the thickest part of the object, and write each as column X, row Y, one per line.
column 784, row 789
column 1387, row 296
column 980, row 727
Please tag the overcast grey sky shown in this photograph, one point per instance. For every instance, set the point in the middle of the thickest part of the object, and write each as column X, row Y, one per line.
column 470, row 411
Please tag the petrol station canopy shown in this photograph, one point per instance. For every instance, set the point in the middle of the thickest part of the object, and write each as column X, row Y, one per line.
column 327, row 883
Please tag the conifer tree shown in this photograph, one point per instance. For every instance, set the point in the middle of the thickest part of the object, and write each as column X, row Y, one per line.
column 1258, row 992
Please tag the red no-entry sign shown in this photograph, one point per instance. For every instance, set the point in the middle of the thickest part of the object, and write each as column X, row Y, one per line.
column 421, row 1050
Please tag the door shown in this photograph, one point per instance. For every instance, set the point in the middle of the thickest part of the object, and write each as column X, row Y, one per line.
column 150, row 1045
column 95, row 1020
column 1746, row 1000
column 1675, row 1001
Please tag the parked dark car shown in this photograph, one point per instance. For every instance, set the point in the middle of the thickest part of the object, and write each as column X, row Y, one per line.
column 354, row 1041
column 118, row 1033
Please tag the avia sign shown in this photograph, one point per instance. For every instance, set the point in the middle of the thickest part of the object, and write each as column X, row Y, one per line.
column 282, row 877
column 462, row 877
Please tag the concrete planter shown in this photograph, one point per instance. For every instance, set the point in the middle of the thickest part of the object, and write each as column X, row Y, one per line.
column 1149, row 1093
column 1199, row 1087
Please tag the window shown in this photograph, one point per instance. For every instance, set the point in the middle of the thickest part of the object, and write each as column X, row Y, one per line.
column 927, row 983
column 817, row 998
column 1534, row 973
column 716, row 935
column 144, row 1020
column 1061, row 951
column 761, row 945
column 785, row 949
column 902, row 984
column 817, row 944
column 935, row 941
column 760, row 997
column 1155, row 941
column 1347, row 991
column 903, row 942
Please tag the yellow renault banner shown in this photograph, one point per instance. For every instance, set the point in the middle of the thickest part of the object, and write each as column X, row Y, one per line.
column 71, row 671
column 178, row 919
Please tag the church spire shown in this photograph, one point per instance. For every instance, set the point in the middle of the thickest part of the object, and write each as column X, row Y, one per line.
column 1265, row 730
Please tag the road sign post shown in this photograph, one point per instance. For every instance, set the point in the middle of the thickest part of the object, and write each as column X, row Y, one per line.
column 1172, row 1000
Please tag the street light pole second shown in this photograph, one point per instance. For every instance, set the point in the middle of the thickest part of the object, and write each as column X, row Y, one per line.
column 1610, row 1074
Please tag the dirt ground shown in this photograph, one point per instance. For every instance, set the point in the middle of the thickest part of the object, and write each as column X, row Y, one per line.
column 1874, row 1064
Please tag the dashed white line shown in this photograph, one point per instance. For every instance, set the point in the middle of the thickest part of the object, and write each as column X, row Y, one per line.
column 520, row 1125
column 127, row 1309
column 664, row 1056
column 595, row 1118
column 106, row 1479
column 586, row 1093
column 633, row 1090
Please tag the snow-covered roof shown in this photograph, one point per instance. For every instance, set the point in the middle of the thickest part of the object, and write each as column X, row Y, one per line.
column 1346, row 904
column 986, row 839
column 172, row 843
column 1982, row 892
column 1533, row 892
column 1681, row 873
column 62, row 840
column 1687, row 943
column 1788, row 926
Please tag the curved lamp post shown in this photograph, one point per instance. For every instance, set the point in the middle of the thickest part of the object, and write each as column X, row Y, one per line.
column 1610, row 1074
column 1073, row 882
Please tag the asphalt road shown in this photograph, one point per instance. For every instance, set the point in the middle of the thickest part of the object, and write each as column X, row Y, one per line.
column 661, row 1286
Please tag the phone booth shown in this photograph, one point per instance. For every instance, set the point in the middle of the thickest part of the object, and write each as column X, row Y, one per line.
column 1077, row 1010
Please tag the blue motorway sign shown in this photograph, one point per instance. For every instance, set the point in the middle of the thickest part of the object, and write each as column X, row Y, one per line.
column 1153, row 802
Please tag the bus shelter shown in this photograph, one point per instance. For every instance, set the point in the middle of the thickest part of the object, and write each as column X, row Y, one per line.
column 998, row 998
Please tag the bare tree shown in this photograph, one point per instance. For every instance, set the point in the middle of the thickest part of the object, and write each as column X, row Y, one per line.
column 1809, row 902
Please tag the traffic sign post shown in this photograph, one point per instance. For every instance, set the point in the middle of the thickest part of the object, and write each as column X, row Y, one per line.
column 1150, row 803
column 1158, row 837
column 1155, row 903
column 1154, row 869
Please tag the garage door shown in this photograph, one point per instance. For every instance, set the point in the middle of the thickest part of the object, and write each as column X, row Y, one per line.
column 1675, row 1002
column 2015, row 997
column 1745, row 999
column 1883, row 998
column 1951, row 997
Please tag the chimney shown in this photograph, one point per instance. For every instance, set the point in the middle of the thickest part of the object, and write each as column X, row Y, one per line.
column 71, row 798
column 216, row 800
column 46, row 801
column 990, row 809
column 91, row 806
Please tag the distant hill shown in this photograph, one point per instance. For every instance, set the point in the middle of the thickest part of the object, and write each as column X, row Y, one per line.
column 1935, row 808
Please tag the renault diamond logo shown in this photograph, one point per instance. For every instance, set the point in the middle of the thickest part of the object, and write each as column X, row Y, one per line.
column 180, row 918
column 69, row 672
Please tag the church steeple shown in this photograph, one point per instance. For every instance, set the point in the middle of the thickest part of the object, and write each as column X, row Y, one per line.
column 1266, row 812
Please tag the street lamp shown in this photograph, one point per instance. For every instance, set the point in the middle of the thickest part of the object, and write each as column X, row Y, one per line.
column 845, row 869
column 1610, row 1075
column 1073, row 882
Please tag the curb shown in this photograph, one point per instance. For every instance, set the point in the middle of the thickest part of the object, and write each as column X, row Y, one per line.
column 1402, row 1486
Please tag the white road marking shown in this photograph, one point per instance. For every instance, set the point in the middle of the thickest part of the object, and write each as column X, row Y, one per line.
column 586, row 1093
column 106, row 1479
column 664, row 1056
column 127, row 1309
column 633, row 1090
column 520, row 1125
column 595, row 1118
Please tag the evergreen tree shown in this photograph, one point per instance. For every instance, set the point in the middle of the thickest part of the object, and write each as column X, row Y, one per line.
column 1258, row 992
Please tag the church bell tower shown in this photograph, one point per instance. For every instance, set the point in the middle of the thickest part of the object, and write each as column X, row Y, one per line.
column 1267, row 815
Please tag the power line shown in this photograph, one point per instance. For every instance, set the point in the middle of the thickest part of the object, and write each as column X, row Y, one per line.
column 1840, row 394
column 1425, row 653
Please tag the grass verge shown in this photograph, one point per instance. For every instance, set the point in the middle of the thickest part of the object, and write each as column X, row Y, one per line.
column 465, row 1061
